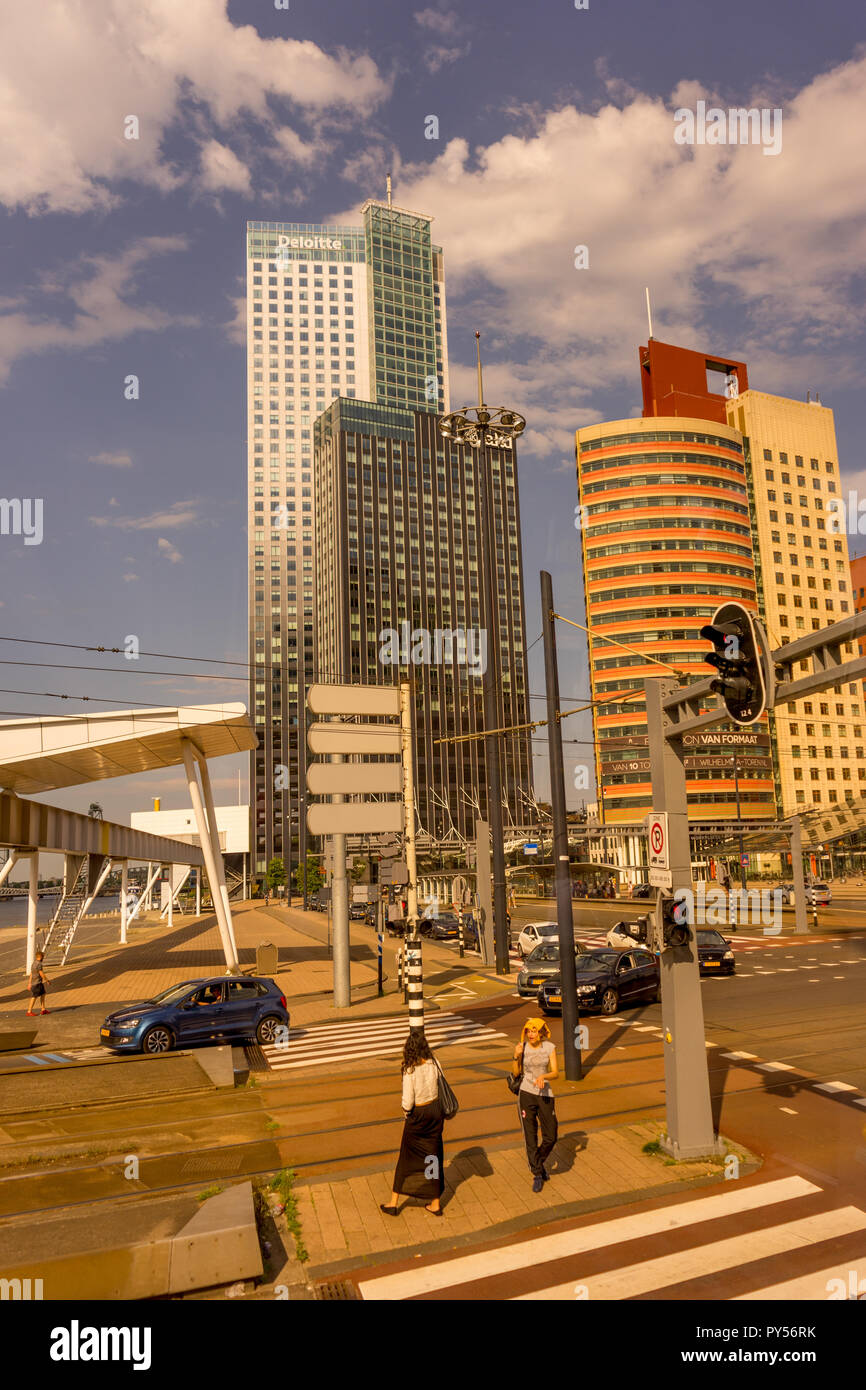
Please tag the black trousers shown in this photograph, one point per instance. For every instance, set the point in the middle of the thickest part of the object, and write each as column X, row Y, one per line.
column 537, row 1111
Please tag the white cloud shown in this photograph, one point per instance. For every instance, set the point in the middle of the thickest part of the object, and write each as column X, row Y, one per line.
column 118, row 460
column 170, row 551
column 221, row 170
column 93, row 295
column 128, row 578
column 446, row 24
column 66, row 90
column 178, row 515
column 780, row 241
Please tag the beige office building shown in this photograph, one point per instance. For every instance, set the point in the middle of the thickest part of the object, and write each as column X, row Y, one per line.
column 804, row 583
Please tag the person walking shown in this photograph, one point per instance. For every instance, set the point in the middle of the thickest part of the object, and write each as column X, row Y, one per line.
column 535, row 1058
column 420, row 1166
column 38, row 984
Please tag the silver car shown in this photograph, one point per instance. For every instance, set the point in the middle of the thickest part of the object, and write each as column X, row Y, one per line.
column 542, row 964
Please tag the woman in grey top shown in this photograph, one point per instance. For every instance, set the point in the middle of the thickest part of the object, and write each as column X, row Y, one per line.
column 535, row 1057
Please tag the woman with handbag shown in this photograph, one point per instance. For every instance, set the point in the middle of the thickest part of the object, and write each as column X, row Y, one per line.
column 427, row 1102
column 533, row 1068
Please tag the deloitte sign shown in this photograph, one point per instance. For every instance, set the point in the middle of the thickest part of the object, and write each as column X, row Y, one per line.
column 309, row 243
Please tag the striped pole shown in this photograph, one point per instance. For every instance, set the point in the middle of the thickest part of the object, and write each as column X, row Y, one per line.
column 400, row 967
column 415, row 983
column 460, row 934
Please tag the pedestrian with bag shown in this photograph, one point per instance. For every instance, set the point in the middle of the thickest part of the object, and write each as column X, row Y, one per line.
column 533, row 1068
column 428, row 1102
column 38, row 984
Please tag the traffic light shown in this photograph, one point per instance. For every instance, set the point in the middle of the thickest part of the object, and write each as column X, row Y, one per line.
column 676, row 928
column 742, row 659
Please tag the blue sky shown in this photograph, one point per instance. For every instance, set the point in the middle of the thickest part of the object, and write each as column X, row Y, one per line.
column 555, row 129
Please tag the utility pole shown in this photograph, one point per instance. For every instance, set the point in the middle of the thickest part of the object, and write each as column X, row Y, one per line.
column 739, row 822
column 562, row 876
column 413, row 938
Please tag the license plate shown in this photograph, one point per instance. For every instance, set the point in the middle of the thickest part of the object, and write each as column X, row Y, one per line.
column 536, row 980
column 554, row 998
column 105, row 1032
column 711, row 965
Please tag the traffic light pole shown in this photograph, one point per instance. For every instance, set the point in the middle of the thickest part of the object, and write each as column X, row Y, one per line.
column 562, row 875
column 690, row 1132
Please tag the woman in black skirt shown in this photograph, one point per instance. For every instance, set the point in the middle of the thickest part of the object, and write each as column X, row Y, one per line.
column 419, row 1171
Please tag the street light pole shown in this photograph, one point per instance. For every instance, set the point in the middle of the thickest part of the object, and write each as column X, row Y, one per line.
column 480, row 427
column 739, row 821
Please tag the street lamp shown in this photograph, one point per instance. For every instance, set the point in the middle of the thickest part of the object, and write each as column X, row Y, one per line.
column 481, row 427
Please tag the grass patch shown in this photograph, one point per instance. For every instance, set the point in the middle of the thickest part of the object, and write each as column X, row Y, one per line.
column 210, row 1192
column 283, row 1184
column 272, row 1124
column 653, row 1147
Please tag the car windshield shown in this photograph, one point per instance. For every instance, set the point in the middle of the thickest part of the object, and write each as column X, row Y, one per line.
column 168, row 996
column 548, row 950
column 546, row 928
column 711, row 938
column 596, row 960
column 448, row 917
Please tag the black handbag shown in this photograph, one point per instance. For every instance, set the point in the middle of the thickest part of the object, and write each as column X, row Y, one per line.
column 515, row 1081
column 448, row 1102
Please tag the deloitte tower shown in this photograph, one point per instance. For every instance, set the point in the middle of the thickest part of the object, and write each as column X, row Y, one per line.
column 332, row 311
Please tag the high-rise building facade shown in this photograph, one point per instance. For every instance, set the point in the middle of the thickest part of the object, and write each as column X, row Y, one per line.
column 804, row 580
column 399, row 564
column 666, row 536
column 354, row 311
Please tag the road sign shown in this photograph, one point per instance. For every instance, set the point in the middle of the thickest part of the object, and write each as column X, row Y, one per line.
column 661, row 878
column 354, row 738
column 530, row 848
column 354, row 699
column 393, row 871
column 744, row 859
column 351, row 817
column 358, row 779
column 657, row 834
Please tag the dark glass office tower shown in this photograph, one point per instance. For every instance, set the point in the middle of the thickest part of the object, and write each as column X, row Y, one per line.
column 398, row 591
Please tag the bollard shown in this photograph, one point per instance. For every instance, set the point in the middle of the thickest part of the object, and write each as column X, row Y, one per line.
column 415, row 984
column 461, row 940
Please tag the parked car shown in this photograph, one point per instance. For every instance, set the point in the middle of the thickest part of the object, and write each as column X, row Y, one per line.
column 217, row 1009
column 532, row 934
column 606, row 980
column 715, row 956
column 624, row 935
column 819, row 894
column 542, row 965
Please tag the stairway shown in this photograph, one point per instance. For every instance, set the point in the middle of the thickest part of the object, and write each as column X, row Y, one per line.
column 65, row 920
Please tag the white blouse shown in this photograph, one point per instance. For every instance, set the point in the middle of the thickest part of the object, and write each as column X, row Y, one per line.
column 421, row 1085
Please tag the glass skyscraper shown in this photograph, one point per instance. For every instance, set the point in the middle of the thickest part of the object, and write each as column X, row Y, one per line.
column 332, row 310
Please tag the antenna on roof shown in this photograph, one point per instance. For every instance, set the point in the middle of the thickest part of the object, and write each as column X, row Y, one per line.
column 389, row 189
column 649, row 311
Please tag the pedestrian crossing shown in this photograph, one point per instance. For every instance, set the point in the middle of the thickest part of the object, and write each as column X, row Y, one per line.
column 378, row 1037
column 742, row 1238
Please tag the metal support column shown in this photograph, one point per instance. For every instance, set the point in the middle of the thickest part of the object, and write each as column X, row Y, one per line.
column 413, row 938
column 340, row 908
column 124, row 889
column 562, row 875
column 484, row 895
column 208, row 853
column 689, row 1112
column 215, row 840
column 32, row 904
column 800, row 926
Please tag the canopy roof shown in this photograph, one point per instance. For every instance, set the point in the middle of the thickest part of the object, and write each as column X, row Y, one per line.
column 40, row 755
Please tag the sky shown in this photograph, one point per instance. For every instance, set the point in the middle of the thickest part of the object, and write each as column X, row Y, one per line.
column 554, row 130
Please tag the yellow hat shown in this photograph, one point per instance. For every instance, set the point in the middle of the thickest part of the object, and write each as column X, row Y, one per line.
column 538, row 1023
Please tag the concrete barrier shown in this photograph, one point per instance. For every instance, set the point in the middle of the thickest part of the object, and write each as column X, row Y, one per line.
column 219, row 1245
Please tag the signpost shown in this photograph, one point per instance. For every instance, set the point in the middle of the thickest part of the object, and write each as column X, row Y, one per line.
column 659, row 853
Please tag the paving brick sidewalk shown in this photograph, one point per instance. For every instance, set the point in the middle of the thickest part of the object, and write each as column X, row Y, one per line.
column 488, row 1193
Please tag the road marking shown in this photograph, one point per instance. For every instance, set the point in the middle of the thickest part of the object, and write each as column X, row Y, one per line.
column 834, row 1086
column 741, row 1056
column 775, row 1066
column 524, row 1254
column 809, row 1286
column 786, row 1110
column 734, row 1252
column 323, row 1043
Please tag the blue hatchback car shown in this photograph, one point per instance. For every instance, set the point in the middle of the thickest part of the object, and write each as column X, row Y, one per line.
column 219, row 1009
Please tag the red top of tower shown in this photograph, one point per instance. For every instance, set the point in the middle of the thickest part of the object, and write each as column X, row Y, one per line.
column 674, row 382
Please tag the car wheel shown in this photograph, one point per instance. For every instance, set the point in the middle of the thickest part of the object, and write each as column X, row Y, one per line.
column 609, row 1001
column 157, row 1039
column 656, row 995
column 267, row 1029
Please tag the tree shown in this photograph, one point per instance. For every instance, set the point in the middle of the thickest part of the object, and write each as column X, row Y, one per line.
column 276, row 876
column 359, row 868
column 314, row 875
column 95, row 810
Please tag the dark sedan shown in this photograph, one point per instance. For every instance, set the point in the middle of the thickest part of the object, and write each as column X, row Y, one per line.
column 445, row 926
column 606, row 980
column 219, row 1009
column 715, row 956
